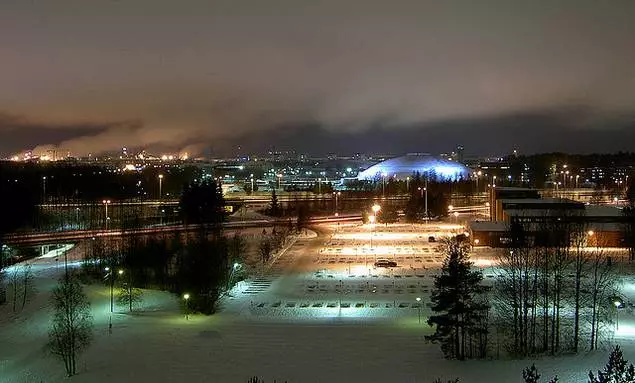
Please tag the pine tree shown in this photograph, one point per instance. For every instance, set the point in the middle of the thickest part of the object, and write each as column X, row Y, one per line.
column 203, row 204
column 531, row 375
column 274, row 209
column 617, row 370
column 460, row 322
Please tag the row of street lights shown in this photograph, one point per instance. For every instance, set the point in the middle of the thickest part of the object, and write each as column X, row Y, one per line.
column 107, row 202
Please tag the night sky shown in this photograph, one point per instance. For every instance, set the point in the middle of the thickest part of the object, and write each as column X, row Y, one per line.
column 358, row 75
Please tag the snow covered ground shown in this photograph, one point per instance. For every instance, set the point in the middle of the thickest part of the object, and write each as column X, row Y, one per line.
column 271, row 326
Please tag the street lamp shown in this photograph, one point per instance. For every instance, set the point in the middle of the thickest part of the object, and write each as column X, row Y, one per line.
column 456, row 217
column 111, row 277
column 617, row 304
column 371, row 220
column 478, row 174
column 279, row 175
column 252, row 183
column 336, row 194
column 186, row 297
column 106, row 202
column 419, row 308
column 407, row 184
column 235, row 267
column 44, row 189
column 160, row 186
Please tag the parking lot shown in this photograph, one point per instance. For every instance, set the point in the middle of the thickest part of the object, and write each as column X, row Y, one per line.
column 335, row 273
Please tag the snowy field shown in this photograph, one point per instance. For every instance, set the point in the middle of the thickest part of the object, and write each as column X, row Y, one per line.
column 316, row 315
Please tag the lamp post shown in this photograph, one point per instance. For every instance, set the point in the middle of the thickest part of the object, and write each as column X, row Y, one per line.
column 279, row 175
column 376, row 208
column 106, row 202
column 111, row 276
column 320, row 186
column 456, row 217
column 160, row 186
column 44, row 189
column 371, row 220
column 336, row 194
column 235, row 267
column 251, row 176
column 478, row 174
column 425, row 190
column 419, row 308
column 407, row 184
column 186, row 298
column 617, row 314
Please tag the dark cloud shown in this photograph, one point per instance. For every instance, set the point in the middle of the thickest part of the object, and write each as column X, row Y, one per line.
column 539, row 131
column 174, row 74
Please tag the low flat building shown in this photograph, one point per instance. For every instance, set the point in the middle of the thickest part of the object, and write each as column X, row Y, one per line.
column 548, row 221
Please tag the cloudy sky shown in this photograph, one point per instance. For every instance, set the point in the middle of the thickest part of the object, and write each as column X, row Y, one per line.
column 95, row 75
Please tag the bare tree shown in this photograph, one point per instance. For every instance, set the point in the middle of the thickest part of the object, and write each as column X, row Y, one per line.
column 517, row 289
column 71, row 328
column 129, row 296
column 14, row 282
column 601, row 284
column 237, row 247
column 28, row 288
column 265, row 249
column 579, row 240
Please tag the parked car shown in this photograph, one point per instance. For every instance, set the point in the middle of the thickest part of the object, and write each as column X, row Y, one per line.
column 385, row 263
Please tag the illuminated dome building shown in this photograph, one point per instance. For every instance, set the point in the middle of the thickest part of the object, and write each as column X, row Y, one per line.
column 425, row 165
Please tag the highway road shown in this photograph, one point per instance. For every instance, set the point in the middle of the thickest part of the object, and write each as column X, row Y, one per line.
column 77, row 235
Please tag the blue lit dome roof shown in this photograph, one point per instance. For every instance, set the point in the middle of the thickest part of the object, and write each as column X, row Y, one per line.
column 424, row 164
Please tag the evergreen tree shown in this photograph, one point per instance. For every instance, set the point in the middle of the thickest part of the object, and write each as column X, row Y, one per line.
column 617, row 370
column 203, row 204
column 202, row 272
column 274, row 209
column 388, row 214
column 414, row 210
column 303, row 218
column 461, row 315
column 71, row 329
column 531, row 375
